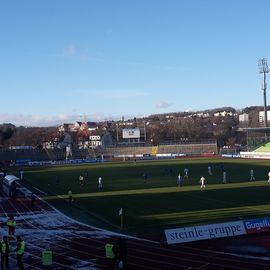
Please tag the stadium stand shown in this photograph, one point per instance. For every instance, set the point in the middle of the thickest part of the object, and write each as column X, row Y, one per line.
column 40, row 154
column 118, row 151
column 17, row 155
column 23, row 154
column 154, row 150
column 161, row 149
column 79, row 153
column 50, row 154
column 187, row 149
column 59, row 154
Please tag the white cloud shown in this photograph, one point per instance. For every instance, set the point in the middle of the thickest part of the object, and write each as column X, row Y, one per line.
column 189, row 110
column 56, row 120
column 70, row 50
column 163, row 105
column 36, row 120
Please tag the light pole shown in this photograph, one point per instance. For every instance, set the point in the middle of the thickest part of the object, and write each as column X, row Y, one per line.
column 263, row 69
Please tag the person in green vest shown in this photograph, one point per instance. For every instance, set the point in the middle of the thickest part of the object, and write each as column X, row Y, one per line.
column 47, row 258
column 19, row 250
column 4, row 246
column 11, row 223
column 110, row 253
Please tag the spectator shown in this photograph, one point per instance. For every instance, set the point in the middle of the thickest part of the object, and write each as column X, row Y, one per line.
column 4, row 246
column 19, row 250
column 11, row 223
column 110, row 253
column 47, row 258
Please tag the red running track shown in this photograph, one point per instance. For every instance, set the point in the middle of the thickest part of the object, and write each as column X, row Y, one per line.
column 78, row 246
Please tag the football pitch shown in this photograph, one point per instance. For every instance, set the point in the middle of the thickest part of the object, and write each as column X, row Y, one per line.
column 158, row 203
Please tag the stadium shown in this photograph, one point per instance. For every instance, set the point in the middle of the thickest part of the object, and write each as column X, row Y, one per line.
column 133, row 135
column 151, row 212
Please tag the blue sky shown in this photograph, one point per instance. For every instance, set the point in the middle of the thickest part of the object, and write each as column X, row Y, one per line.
column 63, row 60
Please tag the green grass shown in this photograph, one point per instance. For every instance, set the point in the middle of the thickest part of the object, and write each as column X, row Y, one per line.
column 264, row 148
column 158, row 204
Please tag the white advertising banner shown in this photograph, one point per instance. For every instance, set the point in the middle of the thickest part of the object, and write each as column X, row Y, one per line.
column 189, row 234
column 256, row 155
column 131, row 133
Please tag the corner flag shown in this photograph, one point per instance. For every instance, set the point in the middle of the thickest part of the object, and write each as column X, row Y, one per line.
column 121, row 216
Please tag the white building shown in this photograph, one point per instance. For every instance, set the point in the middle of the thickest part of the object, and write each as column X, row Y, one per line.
column 243, row 117
column 261, row 117
column 224, row 113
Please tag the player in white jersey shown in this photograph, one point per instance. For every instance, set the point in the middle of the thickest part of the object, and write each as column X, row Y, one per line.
column 252, row 178
column 202, row 181
column 224, row 177
column 186, row 173
column 100, row 183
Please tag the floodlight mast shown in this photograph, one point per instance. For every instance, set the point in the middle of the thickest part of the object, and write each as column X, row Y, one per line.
column 263, row 69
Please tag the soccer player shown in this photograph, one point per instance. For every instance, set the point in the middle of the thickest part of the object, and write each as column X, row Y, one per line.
column 210, row 169
column 224, row 177
column 81, row 180
column 100, row 184
column 222, row 167
column 186, row 173
column 70, row 196
column 202, row 181
column 179, row 179
column 252, row 178
column 21, row 175
column 145, row 177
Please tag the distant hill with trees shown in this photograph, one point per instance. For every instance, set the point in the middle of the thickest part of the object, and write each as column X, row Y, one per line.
column 220, row 124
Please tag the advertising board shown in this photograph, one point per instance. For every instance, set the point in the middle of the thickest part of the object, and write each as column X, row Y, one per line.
column 257, row 225
column 189, row 234
column 131, row 133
